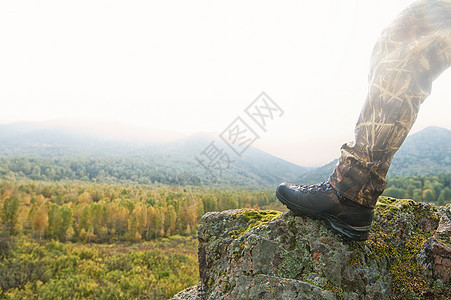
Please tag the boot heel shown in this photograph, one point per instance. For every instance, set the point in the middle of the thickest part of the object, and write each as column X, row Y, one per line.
column 348, row 231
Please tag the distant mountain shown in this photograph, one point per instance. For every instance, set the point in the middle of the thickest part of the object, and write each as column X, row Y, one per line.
column 426, row 152
column 43, row 140
column 317, row 175
column 67, row 153
column 62, row 153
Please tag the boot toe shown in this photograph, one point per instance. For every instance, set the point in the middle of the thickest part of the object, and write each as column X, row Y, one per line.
column 285, row 194
column 283, row 189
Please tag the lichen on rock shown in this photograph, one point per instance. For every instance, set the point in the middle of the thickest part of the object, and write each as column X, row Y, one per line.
column 252, row 254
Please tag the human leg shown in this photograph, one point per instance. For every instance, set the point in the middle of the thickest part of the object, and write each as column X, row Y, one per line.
column 409, row 55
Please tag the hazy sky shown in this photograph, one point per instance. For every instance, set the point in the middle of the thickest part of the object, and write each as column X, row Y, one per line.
column 189, row 66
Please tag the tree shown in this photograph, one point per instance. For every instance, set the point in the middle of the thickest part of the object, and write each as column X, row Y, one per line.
column 133, row 225
column 66, row 222
column 445, row 196
column 85, row 198
column 170, row 220
column 429, row 195
column 54, row 218
column 10, row 213
column 40, row 220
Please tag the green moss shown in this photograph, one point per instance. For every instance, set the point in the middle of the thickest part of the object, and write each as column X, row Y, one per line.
column 386, row 205
column 227, row 287
column 253, row 218
column 239, row 250
column 355, row 259
column 293, row 237
column 211, row 281
column 334, row 289
column 295, row 263
column 407, row 278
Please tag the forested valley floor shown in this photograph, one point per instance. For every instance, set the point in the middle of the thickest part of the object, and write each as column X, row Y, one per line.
column 84, row 240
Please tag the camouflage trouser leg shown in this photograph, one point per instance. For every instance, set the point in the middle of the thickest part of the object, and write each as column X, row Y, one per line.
column 409, row 55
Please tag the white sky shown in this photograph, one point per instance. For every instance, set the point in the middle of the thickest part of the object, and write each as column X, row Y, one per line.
column 189, row 66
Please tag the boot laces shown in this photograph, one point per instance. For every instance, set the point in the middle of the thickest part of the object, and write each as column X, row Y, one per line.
column 314, row 188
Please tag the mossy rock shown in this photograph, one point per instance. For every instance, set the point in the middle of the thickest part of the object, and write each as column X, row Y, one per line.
column 269, row 255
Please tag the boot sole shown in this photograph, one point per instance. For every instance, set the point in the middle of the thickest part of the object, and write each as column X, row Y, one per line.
column 354, row 233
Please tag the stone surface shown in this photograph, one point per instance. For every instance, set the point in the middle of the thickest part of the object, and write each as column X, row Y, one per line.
column 435, row 256
column 250, row 254
column 191, row 293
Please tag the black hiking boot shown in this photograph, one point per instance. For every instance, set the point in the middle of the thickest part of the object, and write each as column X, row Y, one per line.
column 321, row 200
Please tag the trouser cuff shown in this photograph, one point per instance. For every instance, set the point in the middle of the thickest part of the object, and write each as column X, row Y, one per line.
column 356, row 181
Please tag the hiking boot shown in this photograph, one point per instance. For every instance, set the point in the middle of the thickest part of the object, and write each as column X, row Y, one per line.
column 321, row 200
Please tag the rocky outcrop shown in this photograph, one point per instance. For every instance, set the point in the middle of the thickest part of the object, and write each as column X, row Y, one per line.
column 251, row 254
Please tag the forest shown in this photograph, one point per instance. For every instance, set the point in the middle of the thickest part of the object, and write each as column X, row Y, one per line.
column 48, row 269
column 105, row 213
column 88, row 212
column 421, row 188
column 103, row 170
column 86, row 240
column 78, row 239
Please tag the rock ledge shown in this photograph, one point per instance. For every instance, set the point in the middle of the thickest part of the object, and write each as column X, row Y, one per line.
column 251, row 254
